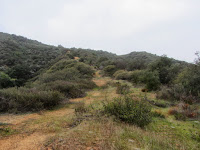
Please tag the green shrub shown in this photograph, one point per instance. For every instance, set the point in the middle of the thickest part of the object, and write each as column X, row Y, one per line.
column 176, row 93
column 69, row 89
column 129, row 110
column 164, row 93
column 122, row 88
column 22, row 99
column 110, row 70
column 121, row 75
column 86, row 84
column 73, row 89
column 136, row 76
column 69, row 77
column 81, row 67
column 163, row 67
column 151, row 79
column 67, row 70
column 189, row 79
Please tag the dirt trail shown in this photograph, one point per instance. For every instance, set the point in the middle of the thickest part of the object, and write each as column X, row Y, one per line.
column 29, row 141
column 34, row 140
column 24, row 142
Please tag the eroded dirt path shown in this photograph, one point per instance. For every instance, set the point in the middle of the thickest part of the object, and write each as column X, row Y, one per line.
column 36, row 127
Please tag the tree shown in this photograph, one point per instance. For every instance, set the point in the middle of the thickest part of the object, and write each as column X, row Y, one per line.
column 21, row 73
column 6, row 81
column 151, row 79
column 162, row 66
column 189, row 78
column 110, row 70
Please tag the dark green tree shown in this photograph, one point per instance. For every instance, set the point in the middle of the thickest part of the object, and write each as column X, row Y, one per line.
column 110, row 70
column 6, row 81
column 21, row 73
column 162, row 66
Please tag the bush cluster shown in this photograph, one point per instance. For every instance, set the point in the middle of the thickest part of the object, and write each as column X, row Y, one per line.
column 137, row 76
column 67, row 78
column 176, row 93
column 149, row 78
column 110, row 70
column 69, row 89
column 129, row 110
column 121, row 75
column 23, row 99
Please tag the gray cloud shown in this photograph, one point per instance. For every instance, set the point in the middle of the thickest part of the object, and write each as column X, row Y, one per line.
column 168, row 27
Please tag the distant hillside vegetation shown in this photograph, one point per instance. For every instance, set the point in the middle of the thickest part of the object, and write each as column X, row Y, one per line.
column 140, row 60
column 21, row 58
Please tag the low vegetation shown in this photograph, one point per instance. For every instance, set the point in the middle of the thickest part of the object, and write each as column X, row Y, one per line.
column 23, row 99
column 65, row 79
column 129, row 110
column 182, row 111
column 122, row 88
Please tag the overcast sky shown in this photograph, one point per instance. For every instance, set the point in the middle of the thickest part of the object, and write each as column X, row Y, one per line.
column 170, row 27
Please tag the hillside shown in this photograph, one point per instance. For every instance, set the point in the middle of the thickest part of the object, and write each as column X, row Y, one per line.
column 19, row 50
column 22, row 58
column 34, row 55
column 19, row 54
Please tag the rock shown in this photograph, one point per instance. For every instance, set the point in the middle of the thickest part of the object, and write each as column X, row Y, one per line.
column 131, row 141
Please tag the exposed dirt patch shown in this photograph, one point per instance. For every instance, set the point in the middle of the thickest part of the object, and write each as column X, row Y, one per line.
column 24, row 142
column 60, row 112
column 100, row 82
column 17, row 119
column 27, row 140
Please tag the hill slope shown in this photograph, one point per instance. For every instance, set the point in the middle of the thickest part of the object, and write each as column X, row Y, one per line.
column 22, row 58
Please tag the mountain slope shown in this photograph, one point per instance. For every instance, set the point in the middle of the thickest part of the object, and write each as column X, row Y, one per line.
column 17, row 50
column 22, row 58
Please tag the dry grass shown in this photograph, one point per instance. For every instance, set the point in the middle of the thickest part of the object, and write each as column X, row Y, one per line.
column 96, row 135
